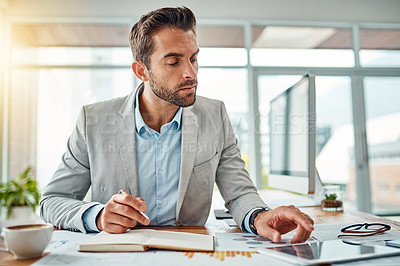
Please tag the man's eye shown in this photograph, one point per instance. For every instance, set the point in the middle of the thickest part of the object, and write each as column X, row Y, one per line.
column 173, row 64
column 194, row 60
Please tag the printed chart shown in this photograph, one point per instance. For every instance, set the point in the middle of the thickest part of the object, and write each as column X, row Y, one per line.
column 248, row 242
column 221, row 255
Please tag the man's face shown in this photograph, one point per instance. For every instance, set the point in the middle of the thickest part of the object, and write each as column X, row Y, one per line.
column 173, row 66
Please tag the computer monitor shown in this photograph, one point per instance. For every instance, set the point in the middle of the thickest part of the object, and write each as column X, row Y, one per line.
column 292, row 134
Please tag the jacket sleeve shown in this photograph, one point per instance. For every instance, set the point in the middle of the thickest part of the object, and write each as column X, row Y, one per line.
column 62, row 201
column 232, row 179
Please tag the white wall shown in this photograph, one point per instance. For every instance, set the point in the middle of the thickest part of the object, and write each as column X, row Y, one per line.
column 384, row 11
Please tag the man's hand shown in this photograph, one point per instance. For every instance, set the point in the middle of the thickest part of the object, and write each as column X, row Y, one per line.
column 274, row 223
column 121, row 213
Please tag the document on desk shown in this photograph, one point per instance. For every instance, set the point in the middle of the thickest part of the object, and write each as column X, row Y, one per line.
column 63, row 250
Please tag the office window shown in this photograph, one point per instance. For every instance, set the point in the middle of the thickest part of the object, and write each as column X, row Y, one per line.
column 44, row 107
column 222, row 57
column 2, row 30
column 65, row 56
column 60, row 99
column 301, row 46
column 380, row 47
column 229, row 86
column 22, row 122
column 382, row 97
column 3, row 78
column 335, row 134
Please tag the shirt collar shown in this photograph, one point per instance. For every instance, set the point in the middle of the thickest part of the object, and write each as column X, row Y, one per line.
column 139, row 122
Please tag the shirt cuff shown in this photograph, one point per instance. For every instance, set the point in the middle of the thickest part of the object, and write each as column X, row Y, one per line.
column 89, row 218
column 246, row 221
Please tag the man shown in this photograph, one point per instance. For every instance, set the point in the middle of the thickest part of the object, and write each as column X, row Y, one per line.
column 161, row 145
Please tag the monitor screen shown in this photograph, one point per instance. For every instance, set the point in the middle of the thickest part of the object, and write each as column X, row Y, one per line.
column 292, row 138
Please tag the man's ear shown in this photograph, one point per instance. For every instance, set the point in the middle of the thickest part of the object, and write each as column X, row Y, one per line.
column 140, row 70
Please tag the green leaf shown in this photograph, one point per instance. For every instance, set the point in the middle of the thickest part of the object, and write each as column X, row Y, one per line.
column 330, row 196
column 22, row 191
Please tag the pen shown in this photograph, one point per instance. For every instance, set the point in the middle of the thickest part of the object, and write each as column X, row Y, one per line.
column 121, row 191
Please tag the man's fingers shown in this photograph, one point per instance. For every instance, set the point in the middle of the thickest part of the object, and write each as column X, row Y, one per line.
column 137, row 204
column 307, row 222
column 282, row 220
column 114, row 228
column 114, row 218
column 301, row 235
column 130, row 200
column 113, row 223
column 304, row 225
column 128, row 212
column 121, row 212
column 270, row 233
column 301, row 218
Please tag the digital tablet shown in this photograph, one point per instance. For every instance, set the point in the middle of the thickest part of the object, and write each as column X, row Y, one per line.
column 327, row 252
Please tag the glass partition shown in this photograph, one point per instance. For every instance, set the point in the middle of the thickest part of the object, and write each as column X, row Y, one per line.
column 382, row 98
column 335, row 135
column 229, row 86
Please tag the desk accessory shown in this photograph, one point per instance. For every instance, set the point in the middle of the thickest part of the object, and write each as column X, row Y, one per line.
column 393, row 243
column 27, row 241
column 143, row 239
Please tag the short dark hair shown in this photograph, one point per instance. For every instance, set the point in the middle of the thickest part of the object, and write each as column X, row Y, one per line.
column 141, row 35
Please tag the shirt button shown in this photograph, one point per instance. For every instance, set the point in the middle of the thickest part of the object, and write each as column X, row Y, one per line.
column 160, row 172
column 160, row 202
column 159, row 140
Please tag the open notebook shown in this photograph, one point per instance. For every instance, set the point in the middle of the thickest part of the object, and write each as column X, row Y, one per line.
column 142, row 239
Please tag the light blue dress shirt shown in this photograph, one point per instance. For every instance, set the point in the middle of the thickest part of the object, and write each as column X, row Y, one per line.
column 158, row 156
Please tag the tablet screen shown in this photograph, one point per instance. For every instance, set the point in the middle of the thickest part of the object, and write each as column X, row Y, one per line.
column 328, row 251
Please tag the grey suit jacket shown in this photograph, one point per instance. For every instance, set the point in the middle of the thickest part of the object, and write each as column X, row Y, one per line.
column 101, row 153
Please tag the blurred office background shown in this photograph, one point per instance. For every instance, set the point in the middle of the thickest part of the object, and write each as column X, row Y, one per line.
column 56, row 56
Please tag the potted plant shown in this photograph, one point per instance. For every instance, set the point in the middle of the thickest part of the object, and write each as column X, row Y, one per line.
column 331, row 203
column 21, row 193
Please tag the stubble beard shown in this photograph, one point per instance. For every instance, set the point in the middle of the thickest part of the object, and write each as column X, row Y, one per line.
column 172, row 96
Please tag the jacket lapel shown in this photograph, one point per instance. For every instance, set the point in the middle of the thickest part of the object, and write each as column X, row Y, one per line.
column 188, row 153
column 126, row 139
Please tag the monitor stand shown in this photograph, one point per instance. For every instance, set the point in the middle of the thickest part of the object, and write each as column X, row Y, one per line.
column 276, row 198
column 318, row 187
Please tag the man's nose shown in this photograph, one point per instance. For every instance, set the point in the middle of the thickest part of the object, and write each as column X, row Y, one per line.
column 190, row 71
